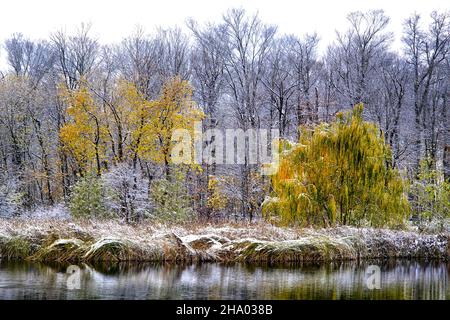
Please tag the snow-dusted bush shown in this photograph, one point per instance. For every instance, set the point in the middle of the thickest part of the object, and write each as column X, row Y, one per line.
column 126, row 192
column 430, row 195
column 87, row 198
column 171, row 199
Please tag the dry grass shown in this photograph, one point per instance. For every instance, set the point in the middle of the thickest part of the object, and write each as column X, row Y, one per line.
column 112, row 241
column 61, row 250
column 14, row 248
column 111, row 250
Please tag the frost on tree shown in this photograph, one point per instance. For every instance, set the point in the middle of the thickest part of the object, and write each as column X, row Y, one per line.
column 126, row 192
column 10, row 199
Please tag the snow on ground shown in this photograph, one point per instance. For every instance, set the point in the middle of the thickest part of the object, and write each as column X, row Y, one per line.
column 223, row 241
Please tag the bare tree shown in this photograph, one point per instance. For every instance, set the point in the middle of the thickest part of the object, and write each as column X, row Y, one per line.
column 76, row 56
column 245, row 42
column 356, row 55
column 305, row 70
column 426, row 53
column 207, row 67
column 280, row 85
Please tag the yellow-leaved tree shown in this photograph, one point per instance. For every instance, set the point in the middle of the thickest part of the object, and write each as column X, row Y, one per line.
column 83, row 136
column 216, row 199
column 174, row 109
column 129, row 114
column 338, row 174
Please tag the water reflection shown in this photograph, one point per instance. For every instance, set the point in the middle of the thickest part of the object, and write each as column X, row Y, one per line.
column 399, row 280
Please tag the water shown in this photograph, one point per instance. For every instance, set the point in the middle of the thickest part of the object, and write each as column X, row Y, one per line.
column 399, row 280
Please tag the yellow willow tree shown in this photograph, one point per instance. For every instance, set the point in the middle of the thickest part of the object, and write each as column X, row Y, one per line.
column 83, row 136
column 174, row 109
column 338, row 173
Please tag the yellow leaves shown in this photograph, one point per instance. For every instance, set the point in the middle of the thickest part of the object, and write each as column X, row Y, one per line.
column 216, row 200
column 132, row 106
column 83, row 135
column 130, row 123
column 337, row 173
column 174, row 109
column 77, row 142
column 332, row 207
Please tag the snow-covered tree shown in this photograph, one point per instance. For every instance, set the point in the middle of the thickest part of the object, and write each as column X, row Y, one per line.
column 126, row 191
column 10, row 198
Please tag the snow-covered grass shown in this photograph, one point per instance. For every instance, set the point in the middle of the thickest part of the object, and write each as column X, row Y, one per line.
column 58, row 211
column 47, row 239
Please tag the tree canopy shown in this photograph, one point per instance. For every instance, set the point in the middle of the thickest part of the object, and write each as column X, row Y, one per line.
column 338, row 173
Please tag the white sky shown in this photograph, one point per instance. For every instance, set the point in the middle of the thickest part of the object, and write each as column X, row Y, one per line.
column 114, row 19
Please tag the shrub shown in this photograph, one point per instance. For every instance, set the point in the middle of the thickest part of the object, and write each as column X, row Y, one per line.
column 430, row 195
column 171, row 199
column 87, row 198
column 126, row 191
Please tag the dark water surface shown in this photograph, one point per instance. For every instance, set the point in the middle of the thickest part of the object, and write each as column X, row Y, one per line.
column 401, row 279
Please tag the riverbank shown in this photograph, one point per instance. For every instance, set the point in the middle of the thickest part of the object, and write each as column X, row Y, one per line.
column 49, row 240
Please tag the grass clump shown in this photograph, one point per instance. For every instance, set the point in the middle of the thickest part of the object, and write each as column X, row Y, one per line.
column 61, row 250
column 300, row 250
column 15, row 248
column 112, row 250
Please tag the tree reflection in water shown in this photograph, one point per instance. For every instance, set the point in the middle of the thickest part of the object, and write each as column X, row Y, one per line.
column 400, row 279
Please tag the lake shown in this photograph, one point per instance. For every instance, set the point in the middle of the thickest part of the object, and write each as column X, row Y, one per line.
column 399, row 279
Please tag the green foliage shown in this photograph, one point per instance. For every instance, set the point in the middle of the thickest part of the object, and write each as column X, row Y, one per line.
column 171, row 199
column 338, row 173
column 87, row 198
column 15, row 248
column 430, row 195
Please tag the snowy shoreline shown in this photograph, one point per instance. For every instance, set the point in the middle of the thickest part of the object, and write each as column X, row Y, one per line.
column 50, row 240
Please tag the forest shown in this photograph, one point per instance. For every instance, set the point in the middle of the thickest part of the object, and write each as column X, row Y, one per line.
column 364, row 130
